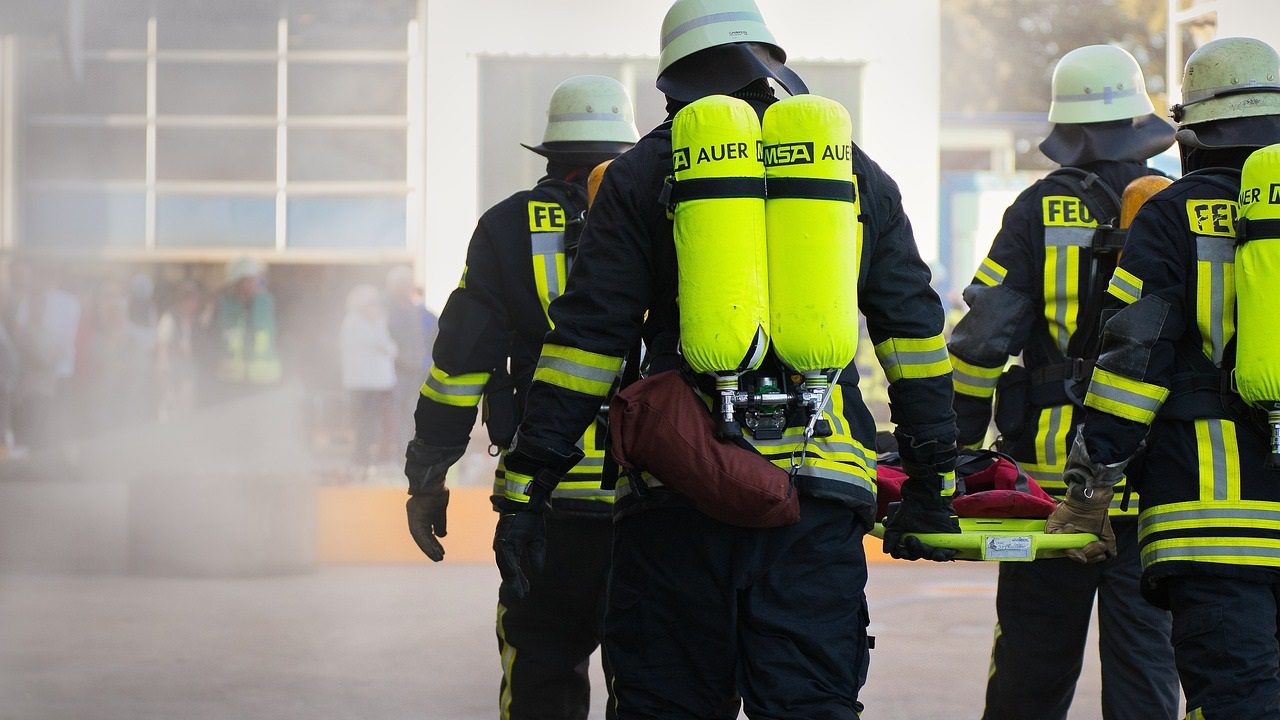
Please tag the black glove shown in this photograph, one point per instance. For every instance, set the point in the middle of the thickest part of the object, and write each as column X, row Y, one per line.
column 521, row 537
column 921, row 511
column 924, row 509
column 425, row 467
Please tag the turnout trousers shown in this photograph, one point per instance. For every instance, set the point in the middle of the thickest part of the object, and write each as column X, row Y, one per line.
column 702, row 613
column 546, row 639
column 1225, row 642
column 1042, row 614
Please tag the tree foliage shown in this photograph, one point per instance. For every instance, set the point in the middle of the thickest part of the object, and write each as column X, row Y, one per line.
column 998, row 55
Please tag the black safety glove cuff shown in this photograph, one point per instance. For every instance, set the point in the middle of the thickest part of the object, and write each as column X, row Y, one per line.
column 425, row 465
column 528, row 459
column 927, row 459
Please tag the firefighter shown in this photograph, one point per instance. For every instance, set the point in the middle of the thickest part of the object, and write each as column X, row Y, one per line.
column 1165, row 376
column 702, row 611
column 490, row 334
column 1039, row 293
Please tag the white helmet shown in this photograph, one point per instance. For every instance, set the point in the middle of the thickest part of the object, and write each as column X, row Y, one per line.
column 1230, row 95
column 747, row 50
column 1098, row 83
column 588, row 114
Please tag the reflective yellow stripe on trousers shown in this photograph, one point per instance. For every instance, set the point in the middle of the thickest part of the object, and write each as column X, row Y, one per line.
column 1227, row 532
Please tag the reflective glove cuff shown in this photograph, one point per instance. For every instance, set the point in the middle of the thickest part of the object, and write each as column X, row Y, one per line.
column 531, row 474
column 930, row 463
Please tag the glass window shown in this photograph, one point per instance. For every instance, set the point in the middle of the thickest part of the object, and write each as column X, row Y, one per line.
column 215, row 221
column 216, row 88
column 106, row 88
column 328, row 154
column 333, row 89
column 83, row 218
column 116, row 25
column 84, row 153
column 220, row 25
column 217, row 154
column 336, row 222
column 344, row 25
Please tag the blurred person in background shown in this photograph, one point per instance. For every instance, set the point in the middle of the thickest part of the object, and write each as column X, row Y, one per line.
column 43, row 323
column 494, row 322
column 702, row 612
column 1039, row 293
column 142, row 303
column 115, row 367
column 243, row 324
column 368, row 373
column 406, row 321
column 178, row 366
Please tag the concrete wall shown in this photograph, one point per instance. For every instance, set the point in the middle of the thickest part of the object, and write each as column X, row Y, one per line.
column 899, row 42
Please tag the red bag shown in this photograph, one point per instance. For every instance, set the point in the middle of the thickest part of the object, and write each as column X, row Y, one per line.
column 988, row 485
column 661, row 426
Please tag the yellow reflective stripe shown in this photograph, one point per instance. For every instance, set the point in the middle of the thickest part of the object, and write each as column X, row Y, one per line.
column 583, row 490
column 948, row 484
column 974, row 380
column 508, row 654
column 1051, row 442
column 1124, row 397
column 990, row 273
column 1219, row 550
column 462, row 282
column 1061, row 291
column 914, row 358
column 518, row 486
column 817, row 467
column 1215, row 294
column 1125, row 286
column 1195, row 714
column 1196, row 515
column 549, row 268
column 1218, row 459
column 458, row 390
column 578, row 370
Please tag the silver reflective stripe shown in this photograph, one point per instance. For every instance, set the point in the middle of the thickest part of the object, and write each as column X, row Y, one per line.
column 1124, row 397
column 547, row 243
column 1106, row 96
column 819, row 444
column 1151, row 555
column 1068, row 236
column 445, row 389
column 578, row 370
column 1217, row 252
column 1126, row 286
column 712, row 19
column 585, row 116
column 518, row 487
column 981, row 382
column 838, row 476
column 1050, row 445
column 1151, row 518
column 1218, row 450
column 919, row 357
column 589, row 461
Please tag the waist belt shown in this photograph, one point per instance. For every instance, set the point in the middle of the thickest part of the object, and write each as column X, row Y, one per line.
column 1210, row 395
column 1061, row 383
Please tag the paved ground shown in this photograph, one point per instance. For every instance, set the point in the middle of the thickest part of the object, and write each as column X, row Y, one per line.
column 397, row 642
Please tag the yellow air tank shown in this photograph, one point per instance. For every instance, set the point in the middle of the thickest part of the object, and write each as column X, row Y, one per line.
column 718, row 199
column 814, row 236
column 1257, row 271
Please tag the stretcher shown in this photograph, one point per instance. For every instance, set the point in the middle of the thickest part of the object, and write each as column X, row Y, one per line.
column 1002, row 540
